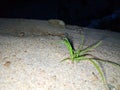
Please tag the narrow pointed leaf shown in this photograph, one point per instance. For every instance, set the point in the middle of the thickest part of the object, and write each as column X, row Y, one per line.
column 80, row 58
column 98, row 69
column 64, row 59
column 69, row 47
column 82, row 43
column 84, row 51
column 110, row 62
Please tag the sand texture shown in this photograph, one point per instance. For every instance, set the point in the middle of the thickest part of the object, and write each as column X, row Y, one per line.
column 30, row 55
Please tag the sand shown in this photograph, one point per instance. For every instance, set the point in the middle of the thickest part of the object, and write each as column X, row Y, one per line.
column 30, row 55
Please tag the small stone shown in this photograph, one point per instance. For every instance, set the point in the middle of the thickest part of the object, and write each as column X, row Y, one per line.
column 7, row 64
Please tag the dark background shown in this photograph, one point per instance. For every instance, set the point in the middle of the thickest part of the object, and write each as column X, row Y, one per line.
column 101, row 14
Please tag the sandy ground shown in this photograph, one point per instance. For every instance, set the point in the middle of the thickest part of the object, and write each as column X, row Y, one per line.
column 30, row 55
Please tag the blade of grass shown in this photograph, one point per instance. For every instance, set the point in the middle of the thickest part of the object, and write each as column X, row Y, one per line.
column 82, row 43
column 64, row 59
column 78, row 59
column 98, row 69
column 102, row 60
column 77, row 52
column 84, row 51
column 110, row 62
column 69, row 47
column 93, row 62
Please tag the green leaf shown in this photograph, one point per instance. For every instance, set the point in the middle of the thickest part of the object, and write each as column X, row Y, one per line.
column 98, row 69
column 84, row 51
column 110, row 62
column 64, row 59
column 78, row 51
column 80, row 58
column 82, row 43
column 69, row 47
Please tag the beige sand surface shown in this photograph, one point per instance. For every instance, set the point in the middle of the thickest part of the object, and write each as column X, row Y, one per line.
column 30, row 55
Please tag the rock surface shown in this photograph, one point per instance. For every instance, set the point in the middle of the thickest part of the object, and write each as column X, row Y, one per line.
column 30, row 55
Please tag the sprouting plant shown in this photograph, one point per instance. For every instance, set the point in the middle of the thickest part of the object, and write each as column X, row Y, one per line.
column 82, row 53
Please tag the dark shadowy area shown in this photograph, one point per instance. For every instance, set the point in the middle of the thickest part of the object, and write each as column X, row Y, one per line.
column 101, row 14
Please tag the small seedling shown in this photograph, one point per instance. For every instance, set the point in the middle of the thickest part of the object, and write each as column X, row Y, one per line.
column 82, row 53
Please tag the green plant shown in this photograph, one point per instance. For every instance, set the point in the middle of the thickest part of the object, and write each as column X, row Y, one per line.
column 82, row 53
